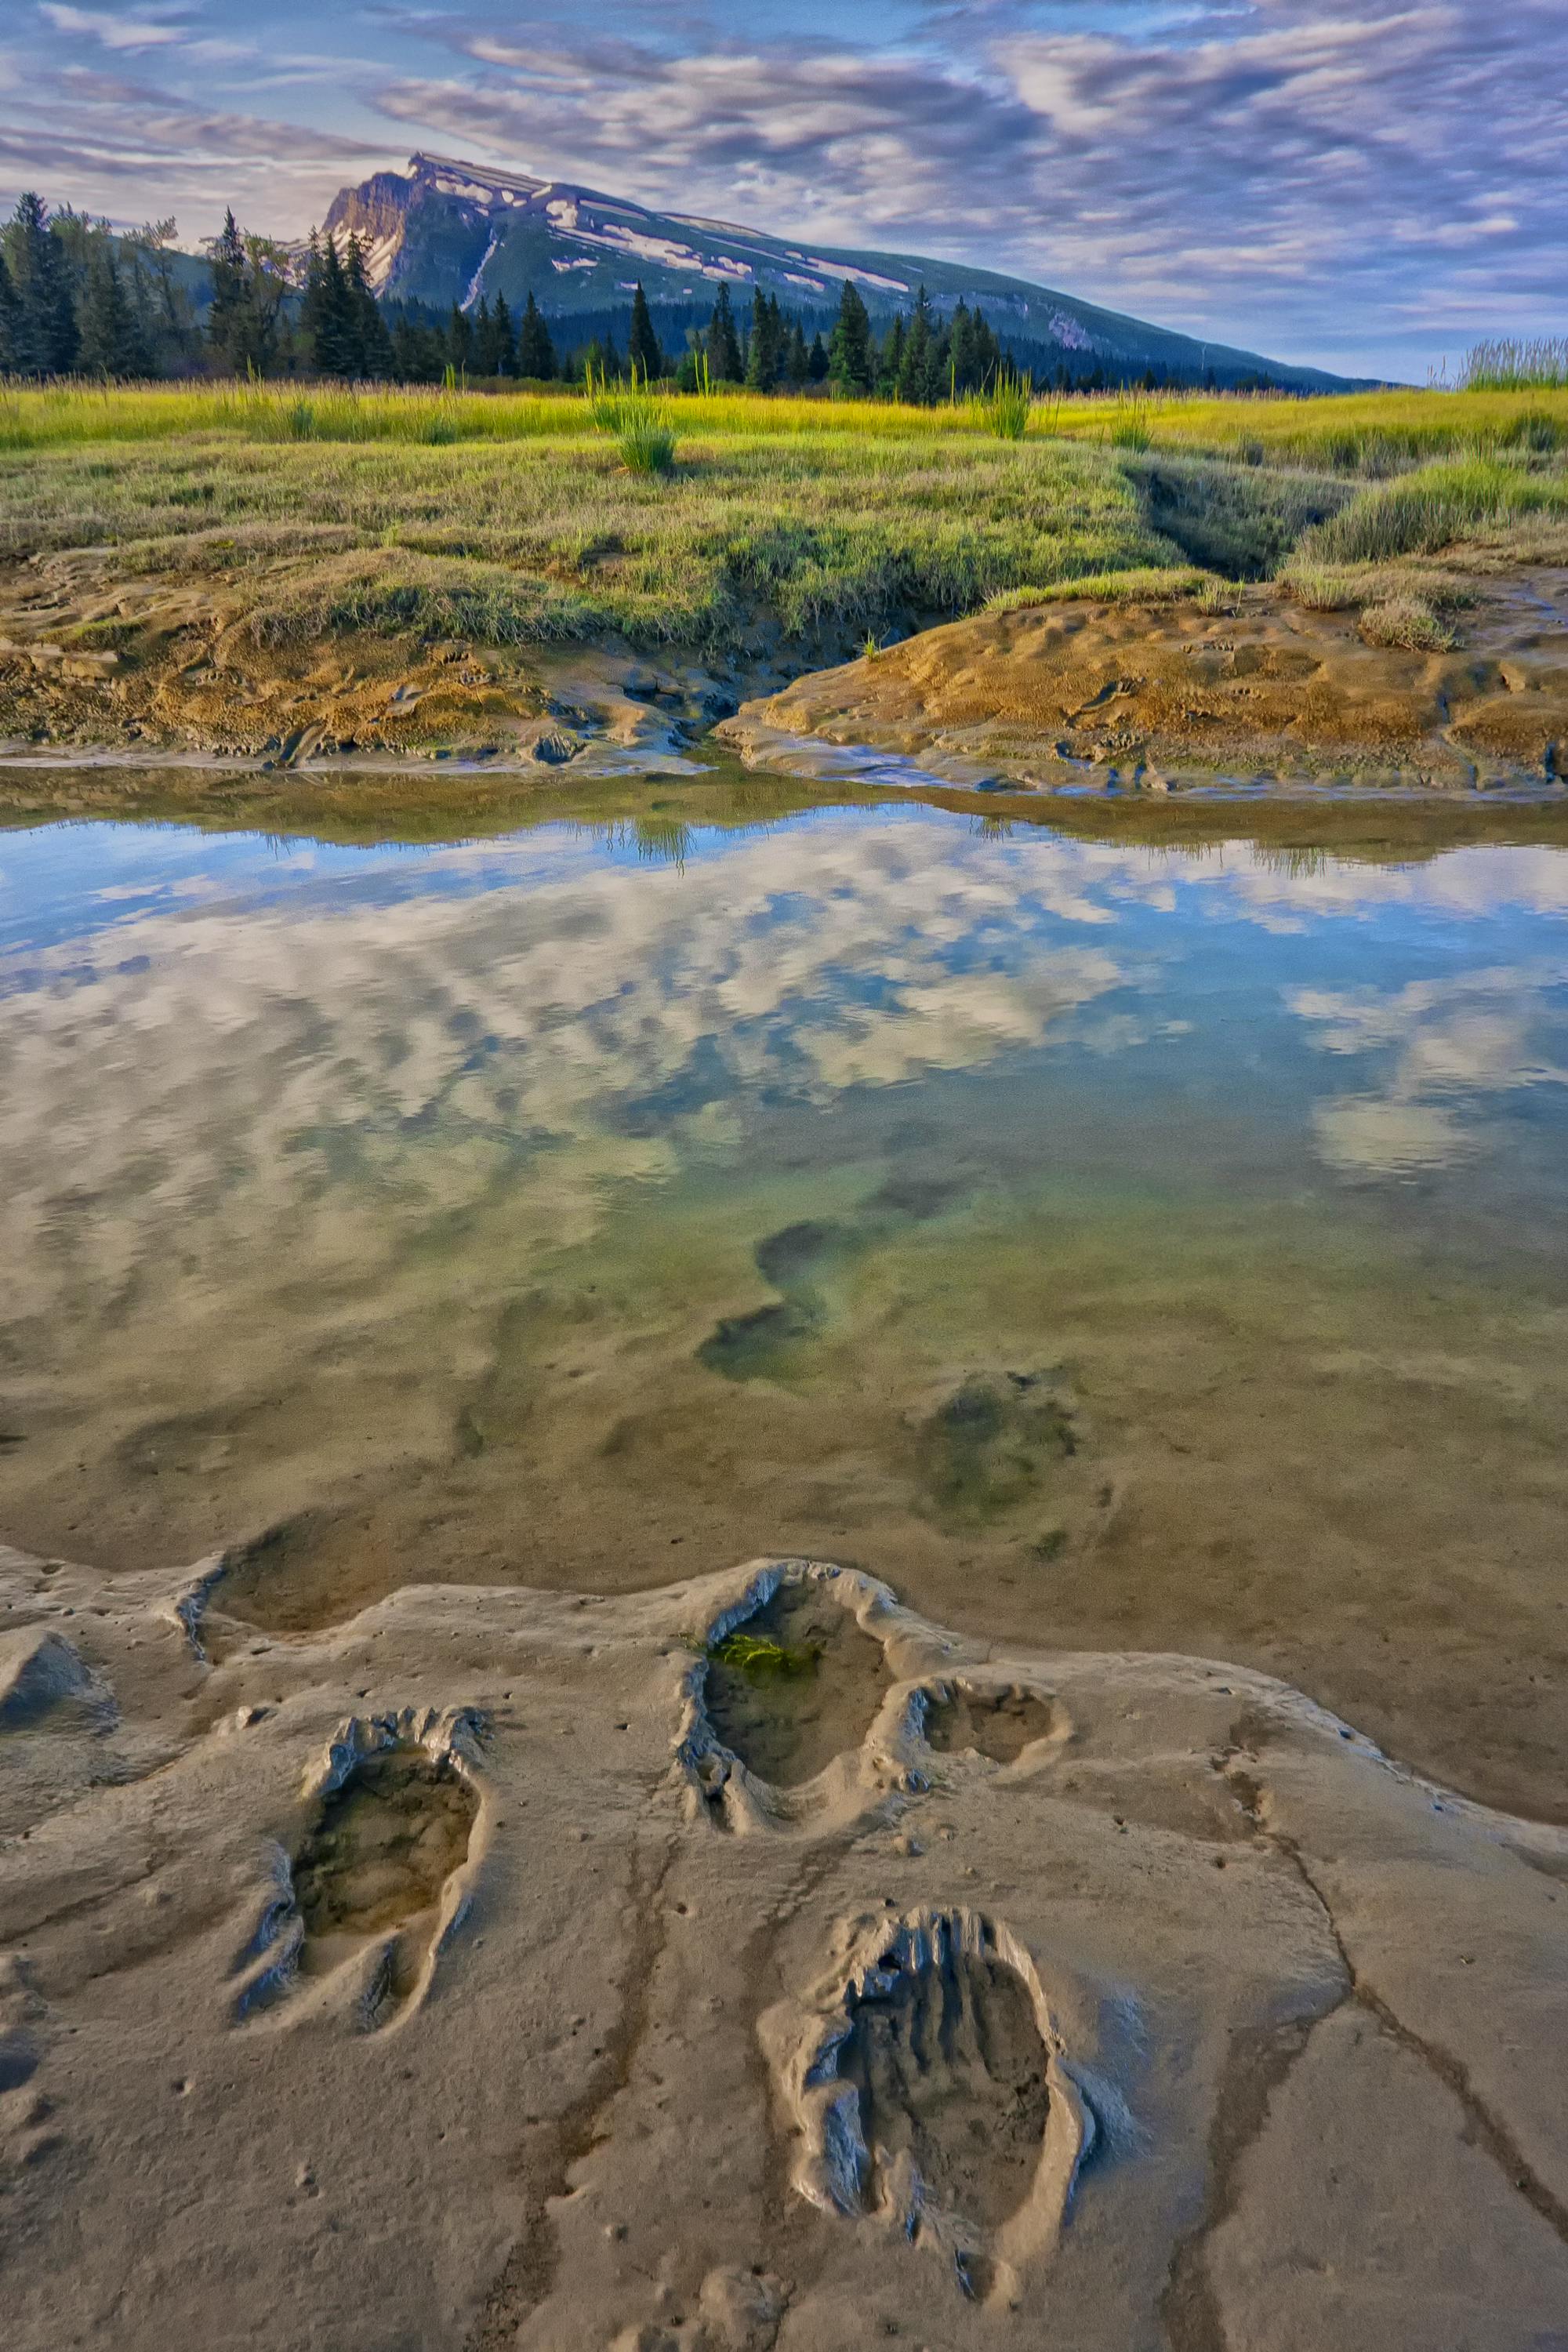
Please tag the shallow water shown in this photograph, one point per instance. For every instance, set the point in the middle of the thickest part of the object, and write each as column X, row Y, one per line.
column 1108, row 1244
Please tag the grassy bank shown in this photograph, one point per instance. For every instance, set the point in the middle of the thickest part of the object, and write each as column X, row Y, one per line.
column 235, row 568
column 550, row 538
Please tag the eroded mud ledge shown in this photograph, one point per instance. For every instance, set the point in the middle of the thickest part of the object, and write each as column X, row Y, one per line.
column 1076, row 696
column 1177, row 2015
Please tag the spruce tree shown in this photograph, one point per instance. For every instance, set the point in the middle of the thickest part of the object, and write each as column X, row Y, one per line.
column 643, row 354
column 505, row 335
column 228, row 321
column 535, row 354
column 914, row 364
column 112, row 342
column 766, row 347
column 459, row 340
column 816, row 366
column 961, row 351
column 850, row 356
column 328, row 327
column 891, row 360
column 486, row 356
column 367, row 344
column 10, row 313
column 797, row 360
column 723, row 343
column 44, row 332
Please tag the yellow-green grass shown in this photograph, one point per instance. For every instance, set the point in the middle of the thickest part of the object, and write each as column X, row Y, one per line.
column 1141, row 584
column 1359, row 432
column 551, row 536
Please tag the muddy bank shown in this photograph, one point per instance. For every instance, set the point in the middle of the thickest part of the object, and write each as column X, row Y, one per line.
column 1074, row 696
column 96, row 668
column 513, row 2006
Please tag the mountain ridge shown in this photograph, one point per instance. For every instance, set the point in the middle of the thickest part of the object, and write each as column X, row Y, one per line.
column 448, row 231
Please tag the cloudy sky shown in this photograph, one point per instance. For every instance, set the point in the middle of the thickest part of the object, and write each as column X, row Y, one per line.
column 1359, row 183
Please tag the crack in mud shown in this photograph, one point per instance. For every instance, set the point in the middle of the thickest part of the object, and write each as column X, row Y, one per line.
column 1258, row 2064
column 1490, row 2133
column 528, row 2274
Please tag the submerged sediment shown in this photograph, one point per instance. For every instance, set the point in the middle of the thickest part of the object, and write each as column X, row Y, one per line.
column 446, row 1978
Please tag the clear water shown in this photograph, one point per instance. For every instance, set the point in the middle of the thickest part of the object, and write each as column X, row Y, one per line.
column 1107, row 1245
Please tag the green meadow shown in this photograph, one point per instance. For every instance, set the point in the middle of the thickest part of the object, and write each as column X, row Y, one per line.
column 532, row 516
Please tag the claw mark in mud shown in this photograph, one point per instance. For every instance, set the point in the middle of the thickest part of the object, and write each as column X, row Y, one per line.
column 794, row 1684
column 371, row 1880
column 932, row 2099
column 1000, row 1723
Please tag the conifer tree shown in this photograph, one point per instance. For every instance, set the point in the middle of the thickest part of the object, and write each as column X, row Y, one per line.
column 370, row 345
column 797, row 360
column 329, row 320
column 816, row 366
column 766, row 347
column 850, row 356
column 535, row 352
column 112, row 342
column 914, row 364
column 505, row 335
column 723, row 343
column 168, row 322
column 486, row 355
column 227, row 329
column 249, row 287
column 643, row 354
column 10, row 318
column 961, row 351
column 891, row 360
column 45, row 333
column 459, row 339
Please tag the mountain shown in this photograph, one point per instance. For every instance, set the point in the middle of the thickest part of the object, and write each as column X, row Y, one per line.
column 447, row 232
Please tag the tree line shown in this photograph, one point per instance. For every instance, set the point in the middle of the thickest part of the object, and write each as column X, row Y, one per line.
column 78, row 298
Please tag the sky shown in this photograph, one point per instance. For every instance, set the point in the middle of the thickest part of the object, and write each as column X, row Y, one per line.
column 1355, row 184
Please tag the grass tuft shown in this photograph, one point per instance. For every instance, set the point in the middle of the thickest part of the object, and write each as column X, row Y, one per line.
column 639, row 421
column 1008, row 404
column 1411, row 622
column 1146, row 583
column 761, row 1657
column 1517, row 364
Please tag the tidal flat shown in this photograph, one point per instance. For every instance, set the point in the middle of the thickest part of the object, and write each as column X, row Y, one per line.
column 1111, row 1243
column 780, row 1566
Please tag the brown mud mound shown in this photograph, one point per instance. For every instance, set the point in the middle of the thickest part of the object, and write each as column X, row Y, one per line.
column 1472, row 690
column 95, row 662
column 795, row 1685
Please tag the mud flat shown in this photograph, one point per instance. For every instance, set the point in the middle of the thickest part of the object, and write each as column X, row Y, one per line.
column 447, row 1978
column 1075, row 694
